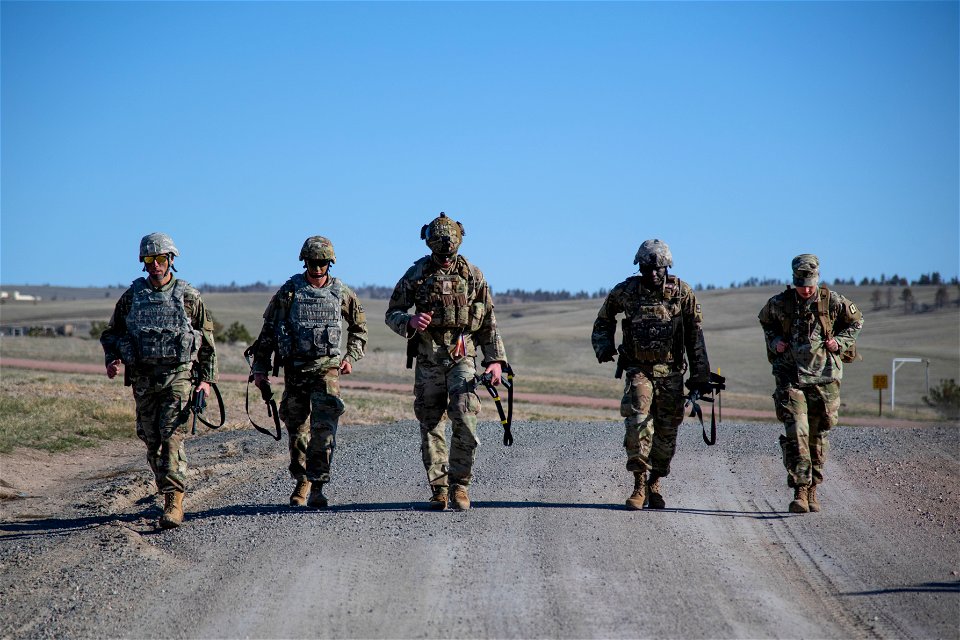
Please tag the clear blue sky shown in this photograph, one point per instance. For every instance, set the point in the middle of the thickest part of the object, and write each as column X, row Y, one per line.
column 560, row 134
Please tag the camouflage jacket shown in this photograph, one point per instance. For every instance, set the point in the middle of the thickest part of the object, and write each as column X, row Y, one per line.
column 806, row 360
column 276, row 313
column 477, row 323
column 200, row 319
column 685, row 337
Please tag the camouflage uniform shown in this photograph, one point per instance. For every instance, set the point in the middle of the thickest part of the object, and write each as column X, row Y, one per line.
column 311, row 380
column 807, row 375
column 463, row 319
column 659, row 328
column 161, row 389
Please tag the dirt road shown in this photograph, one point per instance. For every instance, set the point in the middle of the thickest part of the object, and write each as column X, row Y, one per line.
column 547, row 551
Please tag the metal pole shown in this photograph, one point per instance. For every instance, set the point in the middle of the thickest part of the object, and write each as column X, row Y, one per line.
column 893, row 384
column 895, row 364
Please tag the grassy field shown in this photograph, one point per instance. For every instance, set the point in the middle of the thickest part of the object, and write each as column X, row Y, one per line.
column 549, row 344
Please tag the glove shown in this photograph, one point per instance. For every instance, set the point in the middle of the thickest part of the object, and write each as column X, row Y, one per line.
column 607, row 355
column 701, row 386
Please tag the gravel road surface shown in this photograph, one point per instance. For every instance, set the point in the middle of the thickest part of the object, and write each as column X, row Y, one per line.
column 547, row 551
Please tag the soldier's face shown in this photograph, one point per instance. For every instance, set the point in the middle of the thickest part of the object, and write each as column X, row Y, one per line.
column 317, row 268
column 806, row 292
column 157, row 267
column 653, row 276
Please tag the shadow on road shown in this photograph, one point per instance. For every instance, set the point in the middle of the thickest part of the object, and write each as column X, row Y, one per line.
column 756, row 515
column 926, row 587
column 61, row 526
column 64, row 526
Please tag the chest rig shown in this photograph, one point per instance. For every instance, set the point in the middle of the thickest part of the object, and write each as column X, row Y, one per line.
column 447, row 297
column 312, row 328
column 651, row 322
column 158, row 326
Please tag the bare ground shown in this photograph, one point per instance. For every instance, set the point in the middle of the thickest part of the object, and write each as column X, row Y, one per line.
column 547, row 550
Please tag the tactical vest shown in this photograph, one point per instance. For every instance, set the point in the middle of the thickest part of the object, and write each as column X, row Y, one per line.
column 447, row 297
column 650, row 328
column 158, row 326
column 312, row 327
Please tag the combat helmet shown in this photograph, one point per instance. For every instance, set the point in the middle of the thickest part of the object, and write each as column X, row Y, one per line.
column 317, row 248
column 443, row 235
column 654, row 253
column 155, row 244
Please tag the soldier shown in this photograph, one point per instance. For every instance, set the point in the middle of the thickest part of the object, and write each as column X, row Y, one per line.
column 662, row 323
column 453, row 315
column 160, row 331
column 810, row 332
column 302, row 326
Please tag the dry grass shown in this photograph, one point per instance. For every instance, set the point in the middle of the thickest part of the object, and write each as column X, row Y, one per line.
column 59, row 412
column 549, row 345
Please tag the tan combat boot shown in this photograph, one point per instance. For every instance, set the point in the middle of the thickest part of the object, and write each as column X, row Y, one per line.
column 654, row 497
column 799, row 504
column 317, row 499
column 299, row 496
column 812, row 503
column 636, row 499
column 172, row 510
column 461, row 500
column 440, row 498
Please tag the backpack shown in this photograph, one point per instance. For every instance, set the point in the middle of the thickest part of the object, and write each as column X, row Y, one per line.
column 826, row 322
column 823, row 316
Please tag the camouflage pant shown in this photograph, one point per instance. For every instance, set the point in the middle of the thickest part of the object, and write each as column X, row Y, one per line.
column 438, row 388
column 807, row 414
column 162, row 413
column 315, row 395
column 652, row 408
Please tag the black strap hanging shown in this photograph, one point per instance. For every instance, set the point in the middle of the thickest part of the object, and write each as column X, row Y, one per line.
column 198, row 405
column 266, row 393
column 506, row 419
column 716, row 384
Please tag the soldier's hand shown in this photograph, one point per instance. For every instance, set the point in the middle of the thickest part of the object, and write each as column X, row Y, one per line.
column 608, row 355
column 495, row 369
column 260, row 379
column 205, row 387
column 832, row 345
column 421, row 321
column 781, row 346
column 346, row 368
column 112, row 369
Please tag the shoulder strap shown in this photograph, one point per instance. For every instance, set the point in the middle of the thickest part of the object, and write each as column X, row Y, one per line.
column 823, row 311
column 789, row 302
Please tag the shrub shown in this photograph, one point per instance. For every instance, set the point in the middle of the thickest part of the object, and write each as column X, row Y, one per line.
column 96, row 329
column 236, row 332
column 945, row 399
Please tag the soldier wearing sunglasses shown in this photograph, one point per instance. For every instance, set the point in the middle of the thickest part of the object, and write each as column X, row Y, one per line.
column 160, row 331
column 302, row 326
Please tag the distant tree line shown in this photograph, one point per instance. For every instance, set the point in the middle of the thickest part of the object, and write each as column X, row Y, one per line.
column 233, row 287
column 377, row 292
column 933, row 278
